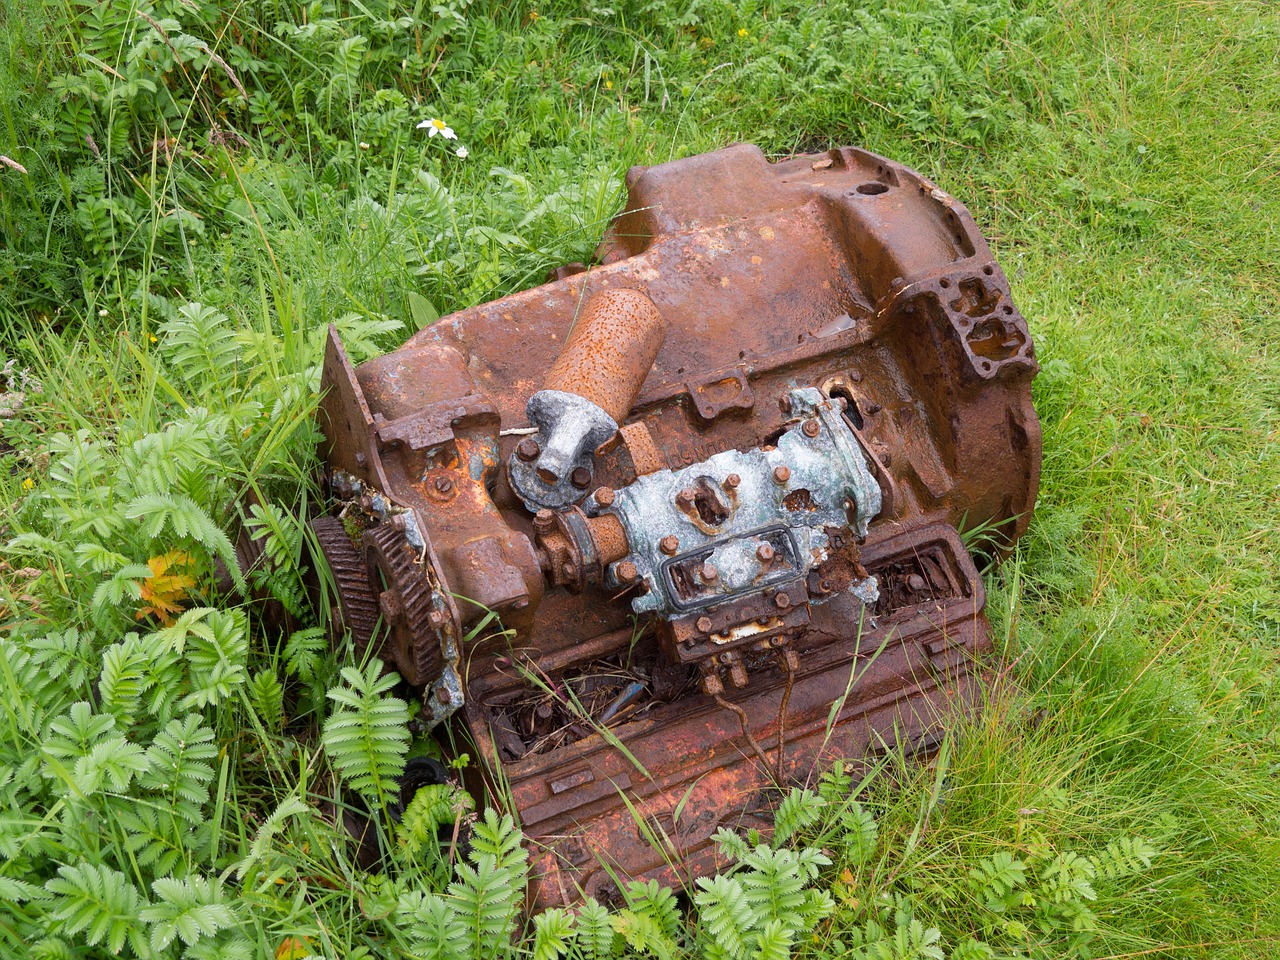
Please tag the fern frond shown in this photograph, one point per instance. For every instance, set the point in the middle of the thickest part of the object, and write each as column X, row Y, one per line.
column 726, row 919
column 1123, row 858
column 99, row 904
column 187, row 909
column 799, row 810
column 367, row 735
column 552, row 934
column 433, row 927
column 595, row 937
column 179, row 768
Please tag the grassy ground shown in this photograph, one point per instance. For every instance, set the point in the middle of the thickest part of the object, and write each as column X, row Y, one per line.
column 1119, row 798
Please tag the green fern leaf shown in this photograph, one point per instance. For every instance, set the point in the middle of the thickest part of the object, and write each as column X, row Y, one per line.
column 188, row 909
column 367, row 735
column 552, row 934
column 100, row 904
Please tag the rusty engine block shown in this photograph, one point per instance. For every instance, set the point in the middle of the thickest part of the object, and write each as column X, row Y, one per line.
column 712, row 488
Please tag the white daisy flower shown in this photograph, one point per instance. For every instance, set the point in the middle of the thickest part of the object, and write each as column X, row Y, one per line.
column 434, row 126
column 463, row 153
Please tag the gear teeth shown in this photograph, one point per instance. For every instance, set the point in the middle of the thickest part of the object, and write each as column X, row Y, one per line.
column 415, row 643
column 357, row 604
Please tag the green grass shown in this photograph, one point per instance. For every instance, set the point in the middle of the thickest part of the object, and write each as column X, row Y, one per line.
column 1122, row 156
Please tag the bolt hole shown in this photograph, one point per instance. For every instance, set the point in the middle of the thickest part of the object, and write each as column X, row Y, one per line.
column 1008, row 310
column 987, row 270
column 944, row 283
column 872, row 189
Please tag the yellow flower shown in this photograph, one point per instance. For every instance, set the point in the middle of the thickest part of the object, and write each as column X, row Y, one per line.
column 743, row 33
column 154, row 338
column 608, row 84
column 28, row 484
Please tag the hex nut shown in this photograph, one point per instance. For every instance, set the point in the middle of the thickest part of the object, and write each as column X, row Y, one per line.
column 709, row 572
column 669, row 545
column 605, row 496
column 704, row 624
column 627, row 572
column 528, row 450
column 811, row 428
column 781, row 473
column 782, row 601
column 731, row 481
column 580, row 477
column 764, row 553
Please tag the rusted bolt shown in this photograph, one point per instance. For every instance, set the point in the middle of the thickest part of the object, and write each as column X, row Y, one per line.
column 391, row 604
column 886, row 457
column 731, row 482
column 781, row 474
column 726, row 657
column 443, row 484
column 580, row 477
column 627, row 572
column 604, row 496
column 528, row 449
column 782, row 601
column 776, row 641
column 543, row 521
column 443, row 695
column 855, row 376
column 437, row 618
column 764, row 553
column 685, row 498
column 811, row 428
column 874, row 408
column 669, row 545
column 704, row 624
column 915, row 582
column 824, row 586
column 709, row 572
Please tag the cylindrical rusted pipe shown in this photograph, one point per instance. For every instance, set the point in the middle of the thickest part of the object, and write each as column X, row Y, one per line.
column 610, row 350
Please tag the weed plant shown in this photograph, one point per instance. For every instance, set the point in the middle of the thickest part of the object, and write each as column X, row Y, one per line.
column 191, row 191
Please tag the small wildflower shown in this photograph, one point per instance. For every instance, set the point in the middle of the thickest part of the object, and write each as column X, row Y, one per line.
column 154, row 338
column 434, row 126
column 28, row 484
column 102, row 312
column 534, row 16
column 743, row 33
column 363, row 145
column 608, row 84
column 463, row 153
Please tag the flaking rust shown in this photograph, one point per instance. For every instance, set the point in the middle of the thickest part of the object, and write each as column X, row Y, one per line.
column 710, row 486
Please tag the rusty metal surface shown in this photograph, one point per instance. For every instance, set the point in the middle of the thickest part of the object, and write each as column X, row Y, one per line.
column 742, row 281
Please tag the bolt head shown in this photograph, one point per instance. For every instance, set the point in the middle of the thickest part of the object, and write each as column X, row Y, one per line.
column 704, row 624
column 580, row 477
column 782, row 601
column 781, row 473
column 543, row 520
column 627, row 572
column 685, row 498
column 437, row 618
column 709, row 572
column 764, row 553
column 811, row 428
column 731, row 481
column 528, row 449
column 391, row 604
column 726, row 657
column 605, row 496
column 669, row 545
column 443, row 484
column 443, row 695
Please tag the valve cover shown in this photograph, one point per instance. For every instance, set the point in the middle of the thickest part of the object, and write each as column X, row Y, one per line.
column 712, row 487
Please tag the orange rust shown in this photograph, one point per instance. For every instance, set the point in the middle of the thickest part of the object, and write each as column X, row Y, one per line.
column 610, row 350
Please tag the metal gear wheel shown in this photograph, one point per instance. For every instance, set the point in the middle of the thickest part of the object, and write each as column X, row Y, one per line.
column 356, row 608
column 407, row 602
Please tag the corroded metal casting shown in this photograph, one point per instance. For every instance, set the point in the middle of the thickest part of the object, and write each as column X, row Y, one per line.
column 710, row 487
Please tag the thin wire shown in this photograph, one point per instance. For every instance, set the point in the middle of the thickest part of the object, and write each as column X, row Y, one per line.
column 746, row 730
column 782, row 720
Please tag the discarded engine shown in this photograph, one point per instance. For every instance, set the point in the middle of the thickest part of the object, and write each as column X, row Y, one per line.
column 711, row 487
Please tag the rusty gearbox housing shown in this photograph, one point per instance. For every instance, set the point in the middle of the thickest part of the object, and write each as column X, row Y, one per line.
column 712, row 488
